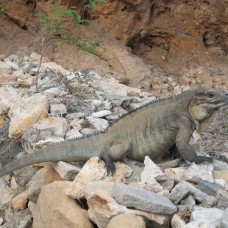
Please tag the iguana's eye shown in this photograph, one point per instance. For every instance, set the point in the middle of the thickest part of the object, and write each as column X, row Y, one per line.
column 211, row 94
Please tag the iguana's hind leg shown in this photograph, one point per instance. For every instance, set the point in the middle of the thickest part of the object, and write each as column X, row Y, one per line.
column 116, row 149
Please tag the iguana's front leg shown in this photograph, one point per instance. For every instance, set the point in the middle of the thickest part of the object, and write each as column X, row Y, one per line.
column 187, row 152
column 115, row 150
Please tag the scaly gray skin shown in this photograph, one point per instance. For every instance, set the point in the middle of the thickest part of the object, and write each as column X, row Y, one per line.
column 149, row 130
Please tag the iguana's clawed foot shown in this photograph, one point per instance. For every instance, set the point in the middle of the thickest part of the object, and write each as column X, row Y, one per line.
column 110, row 167
column 201, row 159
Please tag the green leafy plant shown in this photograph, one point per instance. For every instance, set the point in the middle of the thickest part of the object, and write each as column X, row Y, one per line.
column 63, row 26
column 92, row 4
column 57, row 26
column 81, row 78
column 2, row 10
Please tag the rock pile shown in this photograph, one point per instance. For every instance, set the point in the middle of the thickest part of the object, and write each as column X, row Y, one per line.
column 71, row 104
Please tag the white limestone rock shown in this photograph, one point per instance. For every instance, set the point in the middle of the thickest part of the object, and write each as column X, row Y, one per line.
column 101, row 113
column 193, row 173
column 57, row 125
column 99, row 124
column 27, row 112
column 58, row 109
column 151, row 174
column 102, row 207
column 8, row 97
column 95, row 170
column 55, row 209
column 66, row 171
column 211, row 215
column 151, row 170
column 177, row 222
column 4, row 69
column 200, row 224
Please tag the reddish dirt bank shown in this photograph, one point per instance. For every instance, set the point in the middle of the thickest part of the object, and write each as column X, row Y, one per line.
column 184, row 40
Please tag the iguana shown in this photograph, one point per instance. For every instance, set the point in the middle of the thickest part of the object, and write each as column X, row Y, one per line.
column 149, row 130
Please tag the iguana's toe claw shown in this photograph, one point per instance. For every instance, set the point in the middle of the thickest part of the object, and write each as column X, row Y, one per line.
column 110, row 167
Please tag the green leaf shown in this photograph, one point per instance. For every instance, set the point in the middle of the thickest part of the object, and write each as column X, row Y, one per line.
column 22, row 19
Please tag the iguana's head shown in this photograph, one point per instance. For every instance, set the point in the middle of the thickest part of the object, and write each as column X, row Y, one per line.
column 205, row 102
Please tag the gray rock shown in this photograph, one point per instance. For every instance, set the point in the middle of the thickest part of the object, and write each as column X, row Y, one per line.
column 168, row 183
column 113, row 88
column 126, row 220
column 6, row 192
column 213, row 215
column 181, row 191
column 25, row 80
column 76, row 105
column 189, row 202
column 220, row 165
column 199, row 224
column 222, row 183
column 151, row 170
column 14, row 66
column 223, row 157
column 224, row 219
column 101, row 113
column 58, row 109
column 99, row 124
column 177, row 222
column 27, row 67
column 117, row 100
column 208, row 188
column 71, row 116
column 118, row 110
column 8, row 96
column 193, row 173
column 87, row 131
column 5, row 69
column 65, row 170
column 142, row 199
column 107, row 105
column 151, row 175
column 22, row 219
column 97, row 103
column 222, row 199
column 25, row 58
column 209, row 201
column 25, row 112
column 71, row 76
column 52, row 129
column 184, row 189
column 112, row 117
column 13, row 58
column 169, row 164
column 101, row 104
column 94, row 75
column 55, row 91
column 137, row 168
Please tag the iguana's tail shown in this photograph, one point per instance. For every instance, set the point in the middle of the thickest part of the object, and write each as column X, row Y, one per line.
column 72, row 150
